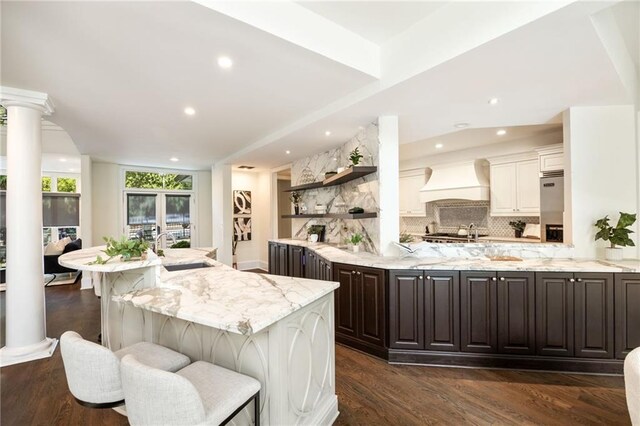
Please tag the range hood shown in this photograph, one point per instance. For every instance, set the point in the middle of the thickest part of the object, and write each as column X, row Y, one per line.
column 466, row 180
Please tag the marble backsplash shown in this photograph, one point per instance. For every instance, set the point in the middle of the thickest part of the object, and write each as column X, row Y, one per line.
column 445, row 216
column 363, row 192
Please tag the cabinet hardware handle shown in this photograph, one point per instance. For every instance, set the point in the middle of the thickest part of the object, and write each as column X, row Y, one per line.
column 494, row 279
column 358, row 272
column 420, row 277
column 571, row 280
column 579, row 280
column 428, row 277
column 501, row 278
column 353, row 272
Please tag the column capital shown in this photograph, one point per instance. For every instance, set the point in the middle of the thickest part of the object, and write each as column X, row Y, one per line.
column 10, row 96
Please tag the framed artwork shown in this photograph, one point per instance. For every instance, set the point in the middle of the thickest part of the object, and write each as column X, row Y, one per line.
column 242, row 228
column 242, row 203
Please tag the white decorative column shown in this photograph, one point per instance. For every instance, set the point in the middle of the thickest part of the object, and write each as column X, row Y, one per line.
column 389, row 177
column 25, row 304
column 222, row 212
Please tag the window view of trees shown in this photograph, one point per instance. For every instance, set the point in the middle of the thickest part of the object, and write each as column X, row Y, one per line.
column 46, row 184
column 3, row 182
column 66, row 185
column 151, row 180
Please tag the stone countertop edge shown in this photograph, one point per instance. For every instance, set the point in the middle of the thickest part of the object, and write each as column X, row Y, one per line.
column 337, row 255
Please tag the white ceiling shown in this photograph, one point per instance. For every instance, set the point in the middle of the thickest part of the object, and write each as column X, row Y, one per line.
column 121, row 73
column 377, row 21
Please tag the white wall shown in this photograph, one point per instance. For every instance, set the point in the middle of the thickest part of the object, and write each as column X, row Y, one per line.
column 253, row 254
column 203, row 207
column 86, row 201
column 602, row 170
column 106, row 197
column 221, row 212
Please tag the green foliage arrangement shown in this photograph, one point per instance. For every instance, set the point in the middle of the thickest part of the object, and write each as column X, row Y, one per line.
column 356, row 238
column 405, row 237
column 617, row 235
column 126, row 249
column 355, row 156
column 181, row 244
column 518, row 225
column 314, row 229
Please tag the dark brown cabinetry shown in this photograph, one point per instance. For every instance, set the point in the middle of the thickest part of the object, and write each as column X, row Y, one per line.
column 278, row 259
column 554, row 314
column 516, row 313
column 296, row 261
column 593, row 315
column 627, row 307
column 361, row 308
column 442, row 311
column 316, row 267
column 478, row 312
column 406, row 310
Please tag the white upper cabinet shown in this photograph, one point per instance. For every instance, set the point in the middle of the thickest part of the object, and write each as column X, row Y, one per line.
column 411, row 182
column 551, row 158
column 515, row 185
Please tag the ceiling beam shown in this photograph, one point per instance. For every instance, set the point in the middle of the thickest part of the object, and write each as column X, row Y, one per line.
column 304, row 28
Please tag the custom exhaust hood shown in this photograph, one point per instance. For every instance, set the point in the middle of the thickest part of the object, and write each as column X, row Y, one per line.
column 466, row 180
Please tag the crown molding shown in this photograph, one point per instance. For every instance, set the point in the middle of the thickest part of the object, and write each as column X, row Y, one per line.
column 10, row 96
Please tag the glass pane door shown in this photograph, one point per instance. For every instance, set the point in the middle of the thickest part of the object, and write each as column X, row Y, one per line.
column 142, row 216
column 177, row 219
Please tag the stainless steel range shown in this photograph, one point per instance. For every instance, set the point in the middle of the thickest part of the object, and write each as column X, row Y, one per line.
column 443, row 237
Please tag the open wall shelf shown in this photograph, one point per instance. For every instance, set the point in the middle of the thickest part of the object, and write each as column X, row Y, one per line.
column 331, row 216
column 353, row 172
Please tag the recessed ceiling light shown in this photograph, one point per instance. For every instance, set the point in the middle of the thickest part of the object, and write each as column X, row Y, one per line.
column 189, row 111
column 439, row 145
column 461, row 125
column 494, row 101
column 327, row 133
column 63, row 160
column 287, row 152
column 501, row 132
column 174, row 159
column 225, row 62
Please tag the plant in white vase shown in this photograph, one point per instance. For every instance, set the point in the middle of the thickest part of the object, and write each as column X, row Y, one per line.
column 618, row 235
column 355, row 240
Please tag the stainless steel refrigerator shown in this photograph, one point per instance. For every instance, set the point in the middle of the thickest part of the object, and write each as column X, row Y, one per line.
column 552, row 206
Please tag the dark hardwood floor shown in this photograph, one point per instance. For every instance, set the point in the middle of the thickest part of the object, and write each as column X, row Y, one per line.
column 370, row 391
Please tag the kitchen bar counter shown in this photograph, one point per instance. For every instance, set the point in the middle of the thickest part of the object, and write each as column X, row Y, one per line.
column 277, row 329
column 477, row 262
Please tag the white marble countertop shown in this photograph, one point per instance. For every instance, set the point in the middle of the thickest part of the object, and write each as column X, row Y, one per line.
column 476, row 263
column 218, row 296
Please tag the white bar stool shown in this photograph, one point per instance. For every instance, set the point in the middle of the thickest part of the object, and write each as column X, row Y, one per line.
column 632, row 384
column 93, row 371
column 199, row 394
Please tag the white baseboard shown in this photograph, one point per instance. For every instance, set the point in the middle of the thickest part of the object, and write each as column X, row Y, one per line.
column 252, row 264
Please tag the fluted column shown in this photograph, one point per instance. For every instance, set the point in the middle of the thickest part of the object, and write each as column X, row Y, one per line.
column 25, row 302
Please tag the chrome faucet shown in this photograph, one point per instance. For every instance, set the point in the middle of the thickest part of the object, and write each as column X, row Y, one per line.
column 473, row 227
column 160, row 235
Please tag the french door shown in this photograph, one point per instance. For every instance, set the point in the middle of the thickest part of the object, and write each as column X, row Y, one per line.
column 149, row 214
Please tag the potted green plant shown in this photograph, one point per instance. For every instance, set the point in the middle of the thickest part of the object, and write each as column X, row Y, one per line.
column 355, row 240
column 355, row 157
column 295, row 198
column 518, row 226
column 128, row 250
column 618, row 235
column 313, row 233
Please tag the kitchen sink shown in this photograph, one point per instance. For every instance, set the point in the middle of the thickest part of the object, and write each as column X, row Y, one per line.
column 186, row 266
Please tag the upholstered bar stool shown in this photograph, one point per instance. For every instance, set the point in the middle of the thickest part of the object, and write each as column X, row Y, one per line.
column 93, row 371
column 632, row 384
column 199, row 394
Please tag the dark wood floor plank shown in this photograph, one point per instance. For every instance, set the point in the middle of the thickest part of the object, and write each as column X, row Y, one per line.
column 370, row 391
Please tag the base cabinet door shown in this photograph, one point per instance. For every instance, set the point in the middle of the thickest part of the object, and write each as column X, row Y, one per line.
column 345, row 300
column 627, row 315
column 324, row 271
column 479, row 312
column 273, row 258
column 311, row 265
column 296, row 261
column 371, row 305
column 406, row 310
column 442, row 311
column 554, row 314
column 593, row 315
column 282, row 263
column 516, row 313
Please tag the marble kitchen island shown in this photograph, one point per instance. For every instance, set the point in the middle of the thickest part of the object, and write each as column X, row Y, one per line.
column 279, row 330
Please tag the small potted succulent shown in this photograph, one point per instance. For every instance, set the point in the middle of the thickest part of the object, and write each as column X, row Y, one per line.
column 518, row 226
column 355, row 239
column 618, row 235
column 295, row 198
